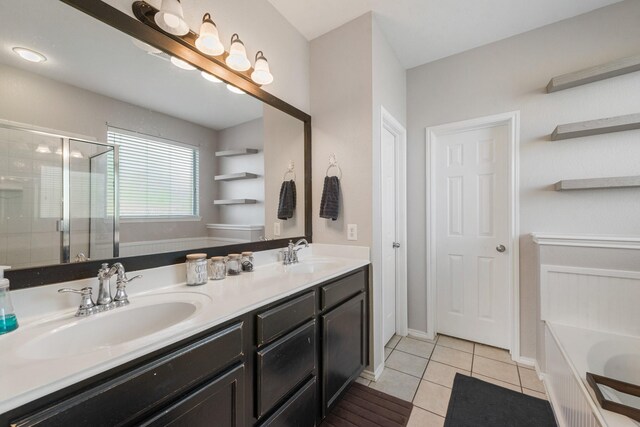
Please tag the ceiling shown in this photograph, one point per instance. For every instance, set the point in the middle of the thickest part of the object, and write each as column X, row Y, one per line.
column 422, row 31
column 108, row 63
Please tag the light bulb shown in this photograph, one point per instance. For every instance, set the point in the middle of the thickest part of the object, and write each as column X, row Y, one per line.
column 261, row 73
column 170, row 18
column 182, row 64
column 234, row 89
column 208, row 41
column 210, row 77
column 29, row 55
column 237, row 58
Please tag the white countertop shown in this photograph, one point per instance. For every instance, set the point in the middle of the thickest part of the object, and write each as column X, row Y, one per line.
column 26, row 376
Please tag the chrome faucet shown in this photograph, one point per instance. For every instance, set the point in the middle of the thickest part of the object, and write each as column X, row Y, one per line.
column 105, row 301
column 290, row 254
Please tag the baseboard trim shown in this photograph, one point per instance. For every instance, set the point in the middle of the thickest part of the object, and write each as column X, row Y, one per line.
column 373, row 375
column 420, row 335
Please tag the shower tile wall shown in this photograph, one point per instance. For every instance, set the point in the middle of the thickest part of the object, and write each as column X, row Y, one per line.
column 30, row 198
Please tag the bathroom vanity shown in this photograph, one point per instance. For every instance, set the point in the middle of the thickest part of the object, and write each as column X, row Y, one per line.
column 281, row 362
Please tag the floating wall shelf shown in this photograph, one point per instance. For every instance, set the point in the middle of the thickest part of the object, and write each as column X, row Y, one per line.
column 596, row 183
column 596, row 127
column 594, row 74
column 234, row 202
column 231, row 153
column 235, row 176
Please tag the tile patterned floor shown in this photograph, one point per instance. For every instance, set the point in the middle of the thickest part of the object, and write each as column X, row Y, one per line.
column 422, row 372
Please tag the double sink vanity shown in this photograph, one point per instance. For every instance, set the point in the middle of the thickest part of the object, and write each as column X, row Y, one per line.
column 276, row 346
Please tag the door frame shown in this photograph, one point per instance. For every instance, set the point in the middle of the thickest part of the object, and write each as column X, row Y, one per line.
column 389, row 123
column 512, row 120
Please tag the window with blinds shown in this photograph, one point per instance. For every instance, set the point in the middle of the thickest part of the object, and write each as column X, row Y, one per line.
column 158, row 178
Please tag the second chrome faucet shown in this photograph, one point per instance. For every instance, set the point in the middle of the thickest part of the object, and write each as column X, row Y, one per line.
column 105, row 301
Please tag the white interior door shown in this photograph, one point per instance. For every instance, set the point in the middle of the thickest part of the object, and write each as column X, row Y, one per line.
column 389, row 234
column 472, row 220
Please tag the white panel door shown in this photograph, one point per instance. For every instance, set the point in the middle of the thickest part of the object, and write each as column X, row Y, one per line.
column 389, row 232
column 472, row 220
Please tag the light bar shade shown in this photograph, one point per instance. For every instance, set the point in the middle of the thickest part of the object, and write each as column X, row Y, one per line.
column 170, row 18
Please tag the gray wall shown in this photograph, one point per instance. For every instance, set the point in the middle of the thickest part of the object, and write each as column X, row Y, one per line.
column 511, row 75
column 35, row 100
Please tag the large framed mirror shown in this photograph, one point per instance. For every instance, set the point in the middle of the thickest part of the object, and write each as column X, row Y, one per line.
column 109, row 149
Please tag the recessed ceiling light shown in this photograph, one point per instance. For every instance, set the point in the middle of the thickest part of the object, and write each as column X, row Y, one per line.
column 29, row 55
column 182, row 64
column 234, row 89
column 210, row 77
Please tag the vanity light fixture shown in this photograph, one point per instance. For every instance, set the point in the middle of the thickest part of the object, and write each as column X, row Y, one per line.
column 29, row 55
column 170, row 18
column 182, row 64
column 146, row 47
column 261, row 73
column 208, row 41
column 43, row 149
column 210, row 77
column 77, row 154
column 234, row 89
column 237, row 58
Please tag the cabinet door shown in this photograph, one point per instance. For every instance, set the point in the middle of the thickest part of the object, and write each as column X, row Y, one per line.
column 344, row 334
column 219, row 403
column 299, row 411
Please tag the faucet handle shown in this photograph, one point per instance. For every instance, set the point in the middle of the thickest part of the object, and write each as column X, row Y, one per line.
column 121, row 298
column 87, row 306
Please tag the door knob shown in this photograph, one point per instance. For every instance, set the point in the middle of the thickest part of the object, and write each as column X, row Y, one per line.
column 396, row 245
column 500, row 248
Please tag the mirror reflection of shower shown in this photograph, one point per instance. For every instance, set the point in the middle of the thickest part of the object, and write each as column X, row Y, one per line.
column 57, row 198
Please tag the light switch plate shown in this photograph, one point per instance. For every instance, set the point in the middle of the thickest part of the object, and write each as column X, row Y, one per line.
column 276, row 228
column 352, row 231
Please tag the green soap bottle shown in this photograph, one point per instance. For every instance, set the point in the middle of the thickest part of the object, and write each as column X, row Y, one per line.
column 8, row 320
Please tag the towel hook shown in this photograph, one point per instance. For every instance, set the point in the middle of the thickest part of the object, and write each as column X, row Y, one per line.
column 333, row 163
column 290, row 170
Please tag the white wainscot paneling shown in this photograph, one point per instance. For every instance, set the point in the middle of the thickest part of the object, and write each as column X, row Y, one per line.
column 597, row 299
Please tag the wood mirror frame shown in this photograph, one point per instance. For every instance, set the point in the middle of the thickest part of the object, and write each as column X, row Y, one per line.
column 38, row 276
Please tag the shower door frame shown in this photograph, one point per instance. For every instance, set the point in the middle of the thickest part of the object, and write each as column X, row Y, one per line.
column 65, row 221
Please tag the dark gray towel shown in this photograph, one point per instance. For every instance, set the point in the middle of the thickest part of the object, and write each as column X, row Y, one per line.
column 287, row 202
column 330, row 202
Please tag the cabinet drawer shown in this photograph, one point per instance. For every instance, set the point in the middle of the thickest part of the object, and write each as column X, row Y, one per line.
column 283, row 365
column 342, row 289
column 281, row 319
column 129, row 396
column 298, row 411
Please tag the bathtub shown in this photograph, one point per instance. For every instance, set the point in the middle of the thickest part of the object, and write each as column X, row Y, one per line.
column 570, row 352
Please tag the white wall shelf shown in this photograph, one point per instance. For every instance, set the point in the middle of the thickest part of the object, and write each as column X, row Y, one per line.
column 598, row 183
column 240, row 152
column 594, row 74
column 596, row 127
column 235, row 176
column 224, row 202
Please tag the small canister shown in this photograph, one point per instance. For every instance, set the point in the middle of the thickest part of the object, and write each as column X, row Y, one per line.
column 234, row 265
column 247, row 261
column 197, row 271
column 217, row 268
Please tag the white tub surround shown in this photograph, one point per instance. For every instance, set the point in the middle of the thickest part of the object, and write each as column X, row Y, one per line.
column 589, row 289
column 26, row 376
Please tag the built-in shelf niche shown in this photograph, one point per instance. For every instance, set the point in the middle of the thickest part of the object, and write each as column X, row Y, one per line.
column 596, row 127
column 594, row 74
column 225, row 202
column 598, row 183
column 235, row 176
column 240, row 152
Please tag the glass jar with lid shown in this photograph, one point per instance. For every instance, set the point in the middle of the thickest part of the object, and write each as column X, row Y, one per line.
column 197, row 271
column 234, row 264
column 217, row 268
column 247, row 261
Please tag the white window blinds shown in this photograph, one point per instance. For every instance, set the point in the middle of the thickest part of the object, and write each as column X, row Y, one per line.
column 157, row 177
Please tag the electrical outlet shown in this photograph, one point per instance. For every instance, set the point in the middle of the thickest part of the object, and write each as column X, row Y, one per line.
column 352, row 231
column 276, row 228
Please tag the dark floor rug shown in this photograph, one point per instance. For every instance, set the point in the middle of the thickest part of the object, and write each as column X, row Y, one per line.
column 362, row 406
column 476, row 403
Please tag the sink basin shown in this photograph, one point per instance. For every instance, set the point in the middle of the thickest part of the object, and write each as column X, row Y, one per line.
column 145, row 316
column 312, row 266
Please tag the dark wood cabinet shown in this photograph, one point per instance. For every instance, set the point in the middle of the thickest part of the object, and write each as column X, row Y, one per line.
column 220, row 403
column 281, row 365
column 344, row 349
